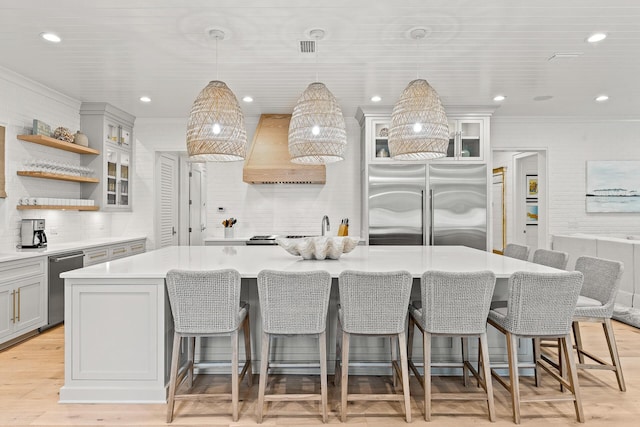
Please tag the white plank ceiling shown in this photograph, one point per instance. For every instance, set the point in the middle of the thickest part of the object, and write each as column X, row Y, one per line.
column 119, row 50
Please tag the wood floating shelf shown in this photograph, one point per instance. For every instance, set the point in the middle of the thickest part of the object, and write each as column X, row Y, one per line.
column 60, row 177
column 58, row 207
column 56, row 143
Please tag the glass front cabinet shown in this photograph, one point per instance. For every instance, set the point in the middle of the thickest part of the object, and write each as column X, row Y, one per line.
column 468, row 136
column 111, row 130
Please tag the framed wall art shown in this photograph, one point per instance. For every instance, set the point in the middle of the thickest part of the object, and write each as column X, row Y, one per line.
column 613, row 186
column 532, row 212
column 532, row 187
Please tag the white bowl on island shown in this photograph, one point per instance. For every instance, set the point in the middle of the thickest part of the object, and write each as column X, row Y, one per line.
column 318, row 247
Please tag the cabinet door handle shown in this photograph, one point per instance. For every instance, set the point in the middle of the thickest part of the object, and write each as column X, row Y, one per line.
column 13, row 313
column 18, row 316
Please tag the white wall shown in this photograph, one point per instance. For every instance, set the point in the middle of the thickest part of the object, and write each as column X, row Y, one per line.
column 259, row 208
column 570, row 143
column 21, row 101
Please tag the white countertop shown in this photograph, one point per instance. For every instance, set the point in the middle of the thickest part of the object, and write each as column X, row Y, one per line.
column 224, row 239
column 249, row 260
column 58, row 248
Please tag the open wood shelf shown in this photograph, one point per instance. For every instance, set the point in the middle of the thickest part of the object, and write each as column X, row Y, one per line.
column 60, row 177
column 58, row 207
column 56, row 143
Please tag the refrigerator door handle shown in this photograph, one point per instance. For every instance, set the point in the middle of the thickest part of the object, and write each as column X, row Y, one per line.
column 431, row 234
column 422, row 211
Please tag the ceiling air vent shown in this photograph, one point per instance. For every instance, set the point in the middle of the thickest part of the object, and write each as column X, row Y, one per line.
column 564, row 55
column 307, row 46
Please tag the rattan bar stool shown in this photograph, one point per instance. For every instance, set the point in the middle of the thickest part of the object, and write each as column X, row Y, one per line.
column 372, row 304
column 555, row 259
column 595, row 304
column 453, row 304
column 206, row 304
column 293, row 303
column 540, row 305
column 513, row 250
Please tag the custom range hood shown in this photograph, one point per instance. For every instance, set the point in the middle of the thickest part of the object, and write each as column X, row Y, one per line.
column 268, row 161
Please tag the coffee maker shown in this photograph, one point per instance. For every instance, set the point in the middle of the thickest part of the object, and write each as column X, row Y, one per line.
column 32, row 234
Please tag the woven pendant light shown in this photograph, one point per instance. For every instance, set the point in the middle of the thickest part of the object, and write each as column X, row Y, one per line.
column 215, row 131
column 419, row 126
column 317, row 131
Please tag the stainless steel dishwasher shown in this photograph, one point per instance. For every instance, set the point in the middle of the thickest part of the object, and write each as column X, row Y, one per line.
column 58, row 264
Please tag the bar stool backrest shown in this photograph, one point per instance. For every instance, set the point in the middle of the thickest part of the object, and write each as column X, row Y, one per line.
column 456, row 303
column 601, row 279
column 294, row 302
column 374, row 303
column 542, row 304
column 204, row 302
column 555, row 259
column 513, row 250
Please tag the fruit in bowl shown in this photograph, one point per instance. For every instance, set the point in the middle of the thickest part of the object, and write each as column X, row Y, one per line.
column 318, row 247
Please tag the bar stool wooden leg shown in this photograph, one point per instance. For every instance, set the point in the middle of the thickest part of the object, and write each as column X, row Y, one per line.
column 322, row 344
column 426, row 348
column 536, row 358
column 191, row 354
column 345, row 376
column 613, row 351
column 576, row 334
column 512, row 351
column 337, row 370
column 486, row 370
column 235, row 383
column 247, row 349
column 464, row 343
column 402, row 344
column 175, row 356
column 565, row 344
column 394, row 359
column 262, row 384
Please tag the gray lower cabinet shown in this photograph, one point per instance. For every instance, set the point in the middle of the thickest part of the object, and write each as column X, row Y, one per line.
column 23, row 295
column 99, row 254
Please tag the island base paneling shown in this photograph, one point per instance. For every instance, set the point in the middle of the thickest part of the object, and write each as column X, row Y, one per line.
column 119, row 333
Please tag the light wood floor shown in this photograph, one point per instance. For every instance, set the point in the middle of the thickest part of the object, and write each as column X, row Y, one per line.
column 31, row 374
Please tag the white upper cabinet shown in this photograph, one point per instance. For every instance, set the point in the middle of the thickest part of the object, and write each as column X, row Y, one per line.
column 110, row 130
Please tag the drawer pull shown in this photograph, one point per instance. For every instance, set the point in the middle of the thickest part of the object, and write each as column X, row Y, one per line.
column 119, row 251
column 13, row 313
column 137, row 247
column 18, row 316
column 100, row 255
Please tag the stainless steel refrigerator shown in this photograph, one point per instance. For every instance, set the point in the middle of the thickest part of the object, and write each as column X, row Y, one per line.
column 434, row 204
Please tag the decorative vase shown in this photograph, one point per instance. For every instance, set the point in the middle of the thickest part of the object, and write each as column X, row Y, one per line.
column 81, row 139
column 228, row 233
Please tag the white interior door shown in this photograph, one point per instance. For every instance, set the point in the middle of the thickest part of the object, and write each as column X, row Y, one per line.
column 167, row 173
column 197, row 202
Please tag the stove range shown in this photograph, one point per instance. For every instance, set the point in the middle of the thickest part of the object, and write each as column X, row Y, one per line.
column 270, row 239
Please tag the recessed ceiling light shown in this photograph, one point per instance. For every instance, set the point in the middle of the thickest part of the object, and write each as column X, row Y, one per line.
column 597, row 37
column 145, row 99
column 376, row 98
column 247, row 99
column 51, row 37
column 499, row 98
column 602, row 98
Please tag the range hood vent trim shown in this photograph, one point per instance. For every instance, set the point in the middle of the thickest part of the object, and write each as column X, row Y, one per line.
column 268, row 161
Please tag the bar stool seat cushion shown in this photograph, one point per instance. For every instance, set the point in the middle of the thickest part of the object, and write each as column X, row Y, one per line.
column 584, row 302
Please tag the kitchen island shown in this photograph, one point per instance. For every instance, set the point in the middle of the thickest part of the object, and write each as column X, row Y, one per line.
column 119, row 330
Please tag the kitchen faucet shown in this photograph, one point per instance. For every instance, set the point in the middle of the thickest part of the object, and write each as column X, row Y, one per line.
column 325, row 219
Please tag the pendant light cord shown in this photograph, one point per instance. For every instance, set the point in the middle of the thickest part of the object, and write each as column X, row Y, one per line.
column 417, row 55
column 217, row 58
column 316, row 49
